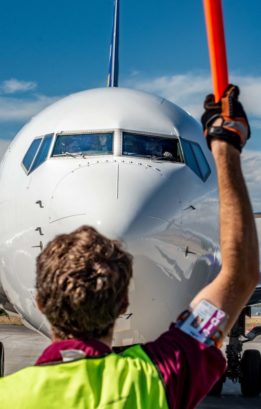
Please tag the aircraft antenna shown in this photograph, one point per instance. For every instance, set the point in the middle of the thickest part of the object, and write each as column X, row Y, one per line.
column 113, row 76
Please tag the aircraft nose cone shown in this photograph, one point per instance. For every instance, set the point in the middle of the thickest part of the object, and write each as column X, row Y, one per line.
column 87, row 195
column 118, row 198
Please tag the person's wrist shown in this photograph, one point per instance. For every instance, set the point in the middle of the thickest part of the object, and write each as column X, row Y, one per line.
column 221, row 148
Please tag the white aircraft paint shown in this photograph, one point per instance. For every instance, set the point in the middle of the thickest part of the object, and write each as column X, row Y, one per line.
column 165, row 214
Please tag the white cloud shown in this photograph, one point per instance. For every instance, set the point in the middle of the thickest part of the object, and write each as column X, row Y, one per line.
column 21, row 109
column 134, row 73
column 251, row 163
column 256, row 123
column 3, row 146
column 251, row 167
column 13, row 85
column 188, row 90
column 250, row 93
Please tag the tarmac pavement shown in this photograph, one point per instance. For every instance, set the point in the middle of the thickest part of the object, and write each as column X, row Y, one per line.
column 23, row 346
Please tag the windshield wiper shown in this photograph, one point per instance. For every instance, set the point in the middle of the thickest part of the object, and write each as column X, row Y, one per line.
column 71, row 154
column 168, row 157
column 164, row 157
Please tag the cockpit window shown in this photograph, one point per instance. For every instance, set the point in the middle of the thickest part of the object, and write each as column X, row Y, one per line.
column 30, row 154
column 37, row 153
column 154, row 147
column 195, row 159
column 83, row 144
column 42, row 153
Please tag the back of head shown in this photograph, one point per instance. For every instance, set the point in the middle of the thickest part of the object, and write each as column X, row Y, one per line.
column 82, row 283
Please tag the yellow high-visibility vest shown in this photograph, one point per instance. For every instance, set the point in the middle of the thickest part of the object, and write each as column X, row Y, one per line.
column 128, row 380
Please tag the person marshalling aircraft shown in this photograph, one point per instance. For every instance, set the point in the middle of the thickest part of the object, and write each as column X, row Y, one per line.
column 135, row 167
column 82, row 281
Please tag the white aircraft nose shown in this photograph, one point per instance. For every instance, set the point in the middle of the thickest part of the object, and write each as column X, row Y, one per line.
column 119, row 198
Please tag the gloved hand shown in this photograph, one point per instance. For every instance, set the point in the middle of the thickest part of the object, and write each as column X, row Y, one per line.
column 226, row 119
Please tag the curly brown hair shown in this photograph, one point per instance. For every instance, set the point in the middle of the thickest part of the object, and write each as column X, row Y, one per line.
column 82, row 283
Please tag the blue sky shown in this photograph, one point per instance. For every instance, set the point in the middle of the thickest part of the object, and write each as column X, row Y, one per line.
column 50, row 49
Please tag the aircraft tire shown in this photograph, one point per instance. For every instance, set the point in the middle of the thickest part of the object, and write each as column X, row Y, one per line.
column 2, row 359
column 250, row 373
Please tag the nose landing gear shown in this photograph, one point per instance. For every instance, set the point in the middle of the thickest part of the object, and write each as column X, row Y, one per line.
column 245, row 368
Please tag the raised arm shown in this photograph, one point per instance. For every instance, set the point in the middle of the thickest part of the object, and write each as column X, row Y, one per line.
column 227, row 129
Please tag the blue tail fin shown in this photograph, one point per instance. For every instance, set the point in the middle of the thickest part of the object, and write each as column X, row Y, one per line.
column 113, row 76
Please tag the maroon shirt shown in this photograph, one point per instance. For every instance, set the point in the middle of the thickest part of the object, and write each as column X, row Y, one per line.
column 188, row 368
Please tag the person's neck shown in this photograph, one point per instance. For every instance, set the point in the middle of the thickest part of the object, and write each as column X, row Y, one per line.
column 107, row 340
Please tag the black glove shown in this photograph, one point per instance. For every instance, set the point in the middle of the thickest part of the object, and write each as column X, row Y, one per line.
column 226, row 119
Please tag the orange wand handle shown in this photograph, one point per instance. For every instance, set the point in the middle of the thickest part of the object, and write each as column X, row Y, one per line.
column 216, row 45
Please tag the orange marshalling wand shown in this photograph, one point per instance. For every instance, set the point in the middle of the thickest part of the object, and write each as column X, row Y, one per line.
column 216, row 45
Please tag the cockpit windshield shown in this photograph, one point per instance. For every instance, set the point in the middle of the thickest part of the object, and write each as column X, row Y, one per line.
column 83, row 144
column 154, row 147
